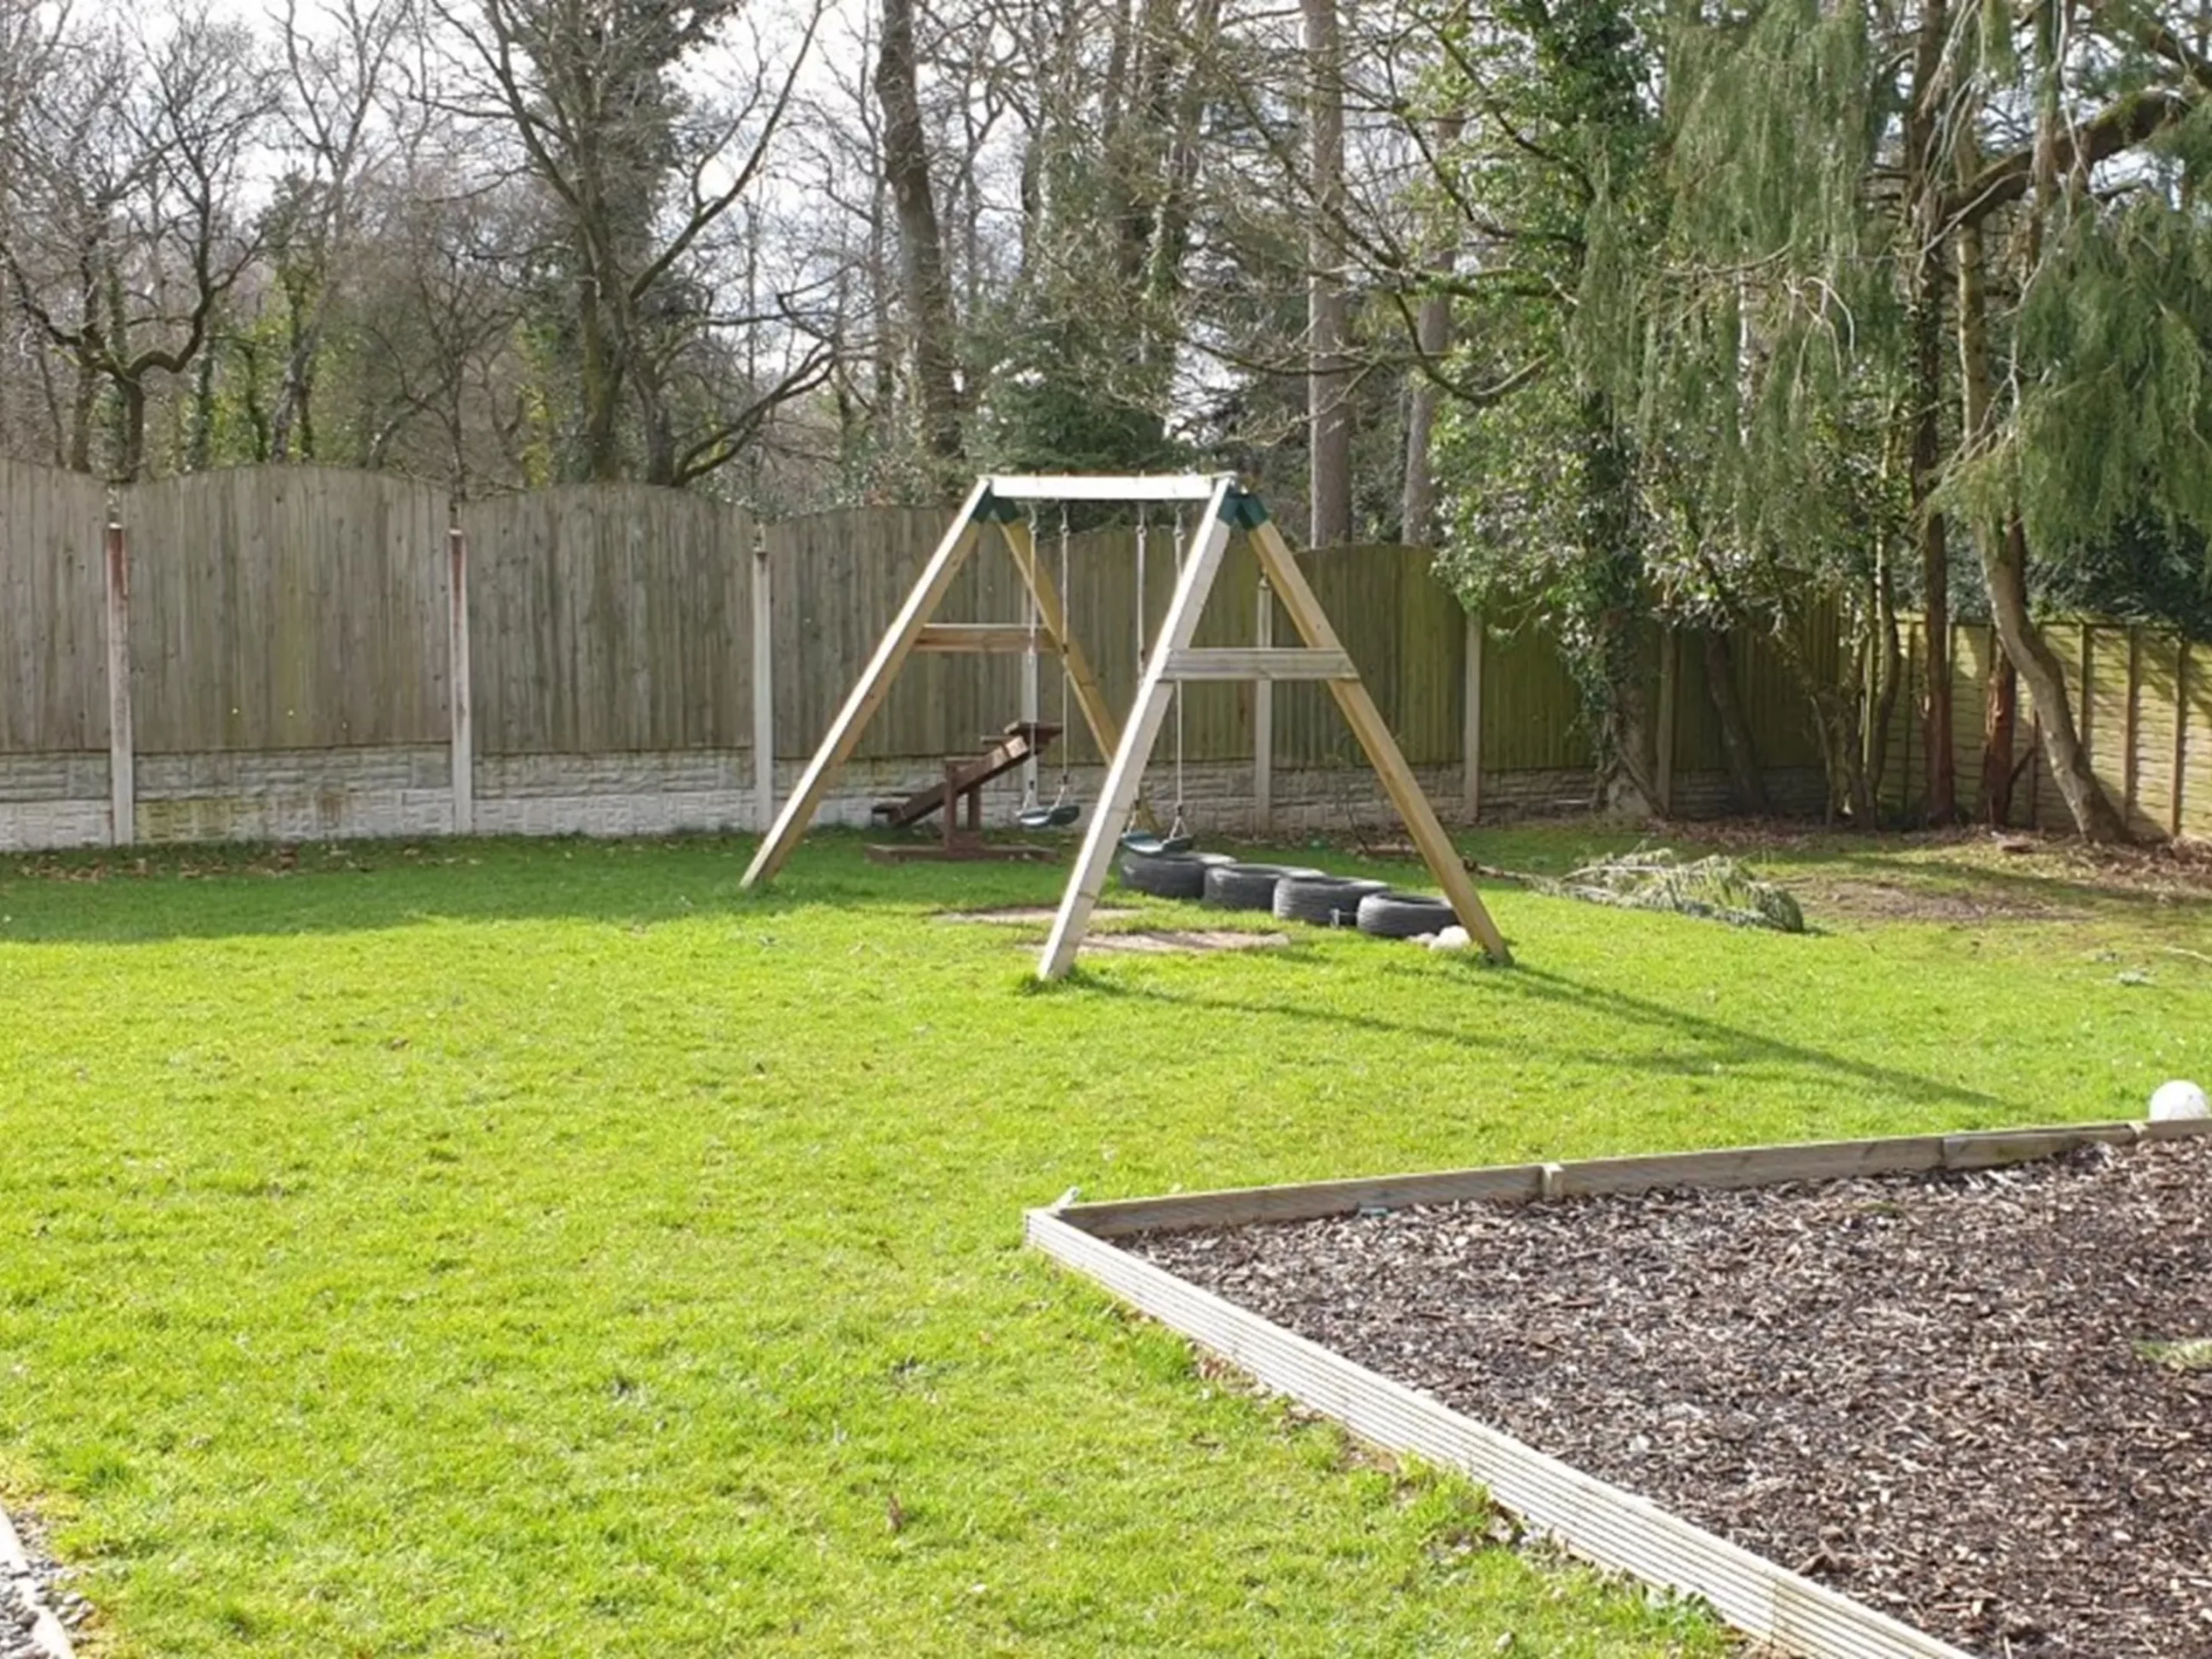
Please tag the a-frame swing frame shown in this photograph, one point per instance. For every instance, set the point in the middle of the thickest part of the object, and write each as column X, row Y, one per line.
column 997, row 501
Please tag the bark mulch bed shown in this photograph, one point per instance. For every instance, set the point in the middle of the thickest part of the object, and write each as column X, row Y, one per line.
column 1935, row 1393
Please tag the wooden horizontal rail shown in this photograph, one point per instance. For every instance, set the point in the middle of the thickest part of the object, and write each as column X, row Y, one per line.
column 981, row 636
column 1259, row 662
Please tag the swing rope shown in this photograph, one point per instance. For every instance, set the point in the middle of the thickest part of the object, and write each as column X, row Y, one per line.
column 1151, row 843
column 1063, row 811
column 1175, row 831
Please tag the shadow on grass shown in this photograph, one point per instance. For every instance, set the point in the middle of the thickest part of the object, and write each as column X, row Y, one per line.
column 228, row 892
column 1724, row 1044
column 2022, row 889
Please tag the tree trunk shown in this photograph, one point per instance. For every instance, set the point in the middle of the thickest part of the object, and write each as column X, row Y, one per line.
column 1746, row 783
column 1924, row 187
column 927, row 288
column 2004, row 566
column 2000, row 722
column 1431, row 338
column 1886, row 673
column 130, row 429
column 1417, row 517
column 1328, row 380
column 2005, row 569
column 599, row 383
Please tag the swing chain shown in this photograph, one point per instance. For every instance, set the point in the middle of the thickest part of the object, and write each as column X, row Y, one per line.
column 1175, row 829
column 1067, row 666
column 1033, row 615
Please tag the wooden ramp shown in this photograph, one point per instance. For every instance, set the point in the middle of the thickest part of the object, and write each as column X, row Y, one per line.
column 1021, row 741
column 959, row 795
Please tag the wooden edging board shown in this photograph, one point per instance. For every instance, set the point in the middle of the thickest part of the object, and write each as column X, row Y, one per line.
column 1591, row 1517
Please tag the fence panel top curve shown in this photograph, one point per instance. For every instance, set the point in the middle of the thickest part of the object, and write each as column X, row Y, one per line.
column 288, row 608
column 610, row 619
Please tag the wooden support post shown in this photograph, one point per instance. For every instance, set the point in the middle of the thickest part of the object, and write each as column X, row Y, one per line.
column 121, row 755
column 1470, row 725
column 1280, row 568
column 2181, row 739
column 2088, row 702
column 874, row 684
column 1124, row 774
column 1663, row 735
column 2129, row 727
column 764, row 687
column 460, row 699
column 1263, row 718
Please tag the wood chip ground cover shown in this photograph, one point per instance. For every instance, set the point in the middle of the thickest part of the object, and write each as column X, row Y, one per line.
column 1941, row 1394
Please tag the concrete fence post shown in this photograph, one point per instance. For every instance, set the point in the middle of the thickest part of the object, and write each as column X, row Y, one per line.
column 460, row 699
column 122, row 769
column 764, row 687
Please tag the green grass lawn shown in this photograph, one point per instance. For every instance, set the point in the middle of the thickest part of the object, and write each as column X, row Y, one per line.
column 548, row 1250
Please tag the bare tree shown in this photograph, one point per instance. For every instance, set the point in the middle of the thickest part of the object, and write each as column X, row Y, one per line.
column 335, row 67
column 640, row 177
column 121, row 228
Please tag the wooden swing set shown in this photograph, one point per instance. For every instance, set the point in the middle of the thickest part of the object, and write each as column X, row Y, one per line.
column 998, row 502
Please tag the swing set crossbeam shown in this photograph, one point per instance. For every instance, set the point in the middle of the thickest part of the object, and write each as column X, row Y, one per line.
column 1135, row 487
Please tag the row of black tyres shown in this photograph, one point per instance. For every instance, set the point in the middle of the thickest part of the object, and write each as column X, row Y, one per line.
column 1291, row 892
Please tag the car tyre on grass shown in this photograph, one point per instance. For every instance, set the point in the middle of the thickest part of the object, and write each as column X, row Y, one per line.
column 1389, row 915
column 1323, row 900
column 1247, row 886
column 1170, row 875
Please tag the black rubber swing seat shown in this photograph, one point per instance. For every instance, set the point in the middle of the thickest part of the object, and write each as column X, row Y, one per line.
column 1145, row 844
column 1049, row 817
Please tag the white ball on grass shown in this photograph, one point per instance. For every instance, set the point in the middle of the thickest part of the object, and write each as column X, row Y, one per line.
column 2178, row 1099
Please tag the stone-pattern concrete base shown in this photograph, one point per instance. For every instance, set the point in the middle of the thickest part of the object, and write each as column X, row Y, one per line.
column 614, row 794
column 53, row 801
column 58, row 801
column 295, row 795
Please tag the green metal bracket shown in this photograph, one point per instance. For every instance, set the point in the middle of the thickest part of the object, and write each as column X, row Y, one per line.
column 1243, row 510
column 992, row 510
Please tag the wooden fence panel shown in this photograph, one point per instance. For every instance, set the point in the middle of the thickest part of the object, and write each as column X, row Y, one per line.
column 288, row 608
column 838, row 580
column 2158, row 722
column 2106, row 704
column 610, row 619
column 1532, row 709
column 1407, row 632
column 53, row 695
